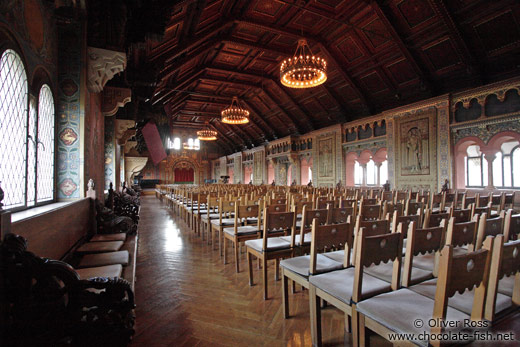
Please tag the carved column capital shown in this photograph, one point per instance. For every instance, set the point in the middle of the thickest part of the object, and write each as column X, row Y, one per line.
column 102, row 65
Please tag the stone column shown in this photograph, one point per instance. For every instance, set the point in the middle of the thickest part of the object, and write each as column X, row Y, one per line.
column 363, row 163
column 378, row 168
column 490, row 157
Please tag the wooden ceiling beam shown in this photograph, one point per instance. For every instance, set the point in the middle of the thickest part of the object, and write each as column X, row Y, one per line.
column 426, row 81
column 258, row 90
column 171, row 45
column 276, row 83
column 461, row 46
column 216, row 115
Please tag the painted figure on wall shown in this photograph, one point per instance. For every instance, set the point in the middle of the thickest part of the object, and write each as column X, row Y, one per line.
column 325, row 158
column 414, row 139
column 414, row 149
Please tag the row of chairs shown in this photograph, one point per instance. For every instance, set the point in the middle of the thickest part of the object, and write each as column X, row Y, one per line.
column 273, row 226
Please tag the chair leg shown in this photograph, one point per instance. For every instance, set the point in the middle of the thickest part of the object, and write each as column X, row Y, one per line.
column 285, row 295
column 264, row 276
column 250, row 266
column 237, row 262
column 276, row 269
column 293, row 287
column 315, row 313
column 225, row 250
column 355, row 327
column 364, row 340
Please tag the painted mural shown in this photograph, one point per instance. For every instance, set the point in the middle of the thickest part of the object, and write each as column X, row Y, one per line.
column 110, row 152
column 326, row 158
column 415, row 147
column 70, row 115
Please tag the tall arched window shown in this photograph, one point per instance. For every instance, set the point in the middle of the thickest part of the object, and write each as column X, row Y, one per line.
column 503, row 168
column 45, row 145
column 13, row 129
column 26, row 137
column 475, row 167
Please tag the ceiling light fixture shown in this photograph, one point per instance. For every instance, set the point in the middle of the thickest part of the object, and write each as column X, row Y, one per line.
column 235, row 113
column 304, row 70
column 207, row 134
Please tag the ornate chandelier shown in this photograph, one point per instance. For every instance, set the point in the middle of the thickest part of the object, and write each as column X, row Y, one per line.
column 207, row 135
column 304, row 70
column 235, row 113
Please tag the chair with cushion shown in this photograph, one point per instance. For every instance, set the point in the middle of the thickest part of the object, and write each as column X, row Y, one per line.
column 396, row 312
column 226, row 209
column 271, row 246
column 240, row 232
column 211, row 213
column 325, row 238
column 348, row 287
column 504, row 275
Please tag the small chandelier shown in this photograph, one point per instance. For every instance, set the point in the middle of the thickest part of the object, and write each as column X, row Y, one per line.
column 207, row 134
column 304, row 70
column 235, row 113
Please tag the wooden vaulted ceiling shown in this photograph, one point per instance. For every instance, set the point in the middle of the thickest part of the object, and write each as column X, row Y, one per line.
column 380, row 54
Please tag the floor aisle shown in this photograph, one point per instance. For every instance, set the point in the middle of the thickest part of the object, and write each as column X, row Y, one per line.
column 185, row 296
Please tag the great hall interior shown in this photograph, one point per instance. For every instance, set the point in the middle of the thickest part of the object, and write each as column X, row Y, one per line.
column 259, row 172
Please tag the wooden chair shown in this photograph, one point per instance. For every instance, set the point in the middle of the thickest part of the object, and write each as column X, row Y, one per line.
column 197, row 212
column 389, row 313
column 505, row 267
column 413, row 207
column 240, row 232
column 434, row 219
column 211, row 213
column 390, row 208
column 511, row 225
column 488, row 227
column 325, row 238
column 277, row 208
column 420, row 242
column 340, row 215
column 345, row 289
column 304, row 231
column 480, row 210
column 225, row 219
column 370, row 212
column 463, row 215
column 271, row 246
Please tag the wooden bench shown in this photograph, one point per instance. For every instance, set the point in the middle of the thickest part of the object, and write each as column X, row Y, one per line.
column 63, row 304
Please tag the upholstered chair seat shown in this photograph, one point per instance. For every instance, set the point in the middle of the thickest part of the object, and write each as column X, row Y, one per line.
column 340, row 284
column 101, row 271
column 100, row 247
column 273, row 243
column 301, row 264
column 102, row 259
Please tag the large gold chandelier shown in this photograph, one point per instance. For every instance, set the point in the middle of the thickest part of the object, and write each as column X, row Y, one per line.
column 235, row 113
column 304, row 70
column 207, row 134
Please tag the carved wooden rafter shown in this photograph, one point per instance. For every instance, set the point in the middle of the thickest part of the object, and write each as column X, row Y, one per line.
column 113, row 99
column 103, row 65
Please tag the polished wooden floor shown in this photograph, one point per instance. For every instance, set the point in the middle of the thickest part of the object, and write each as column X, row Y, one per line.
column 185, row 296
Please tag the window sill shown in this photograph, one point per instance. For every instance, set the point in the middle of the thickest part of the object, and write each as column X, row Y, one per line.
column 35, row 211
